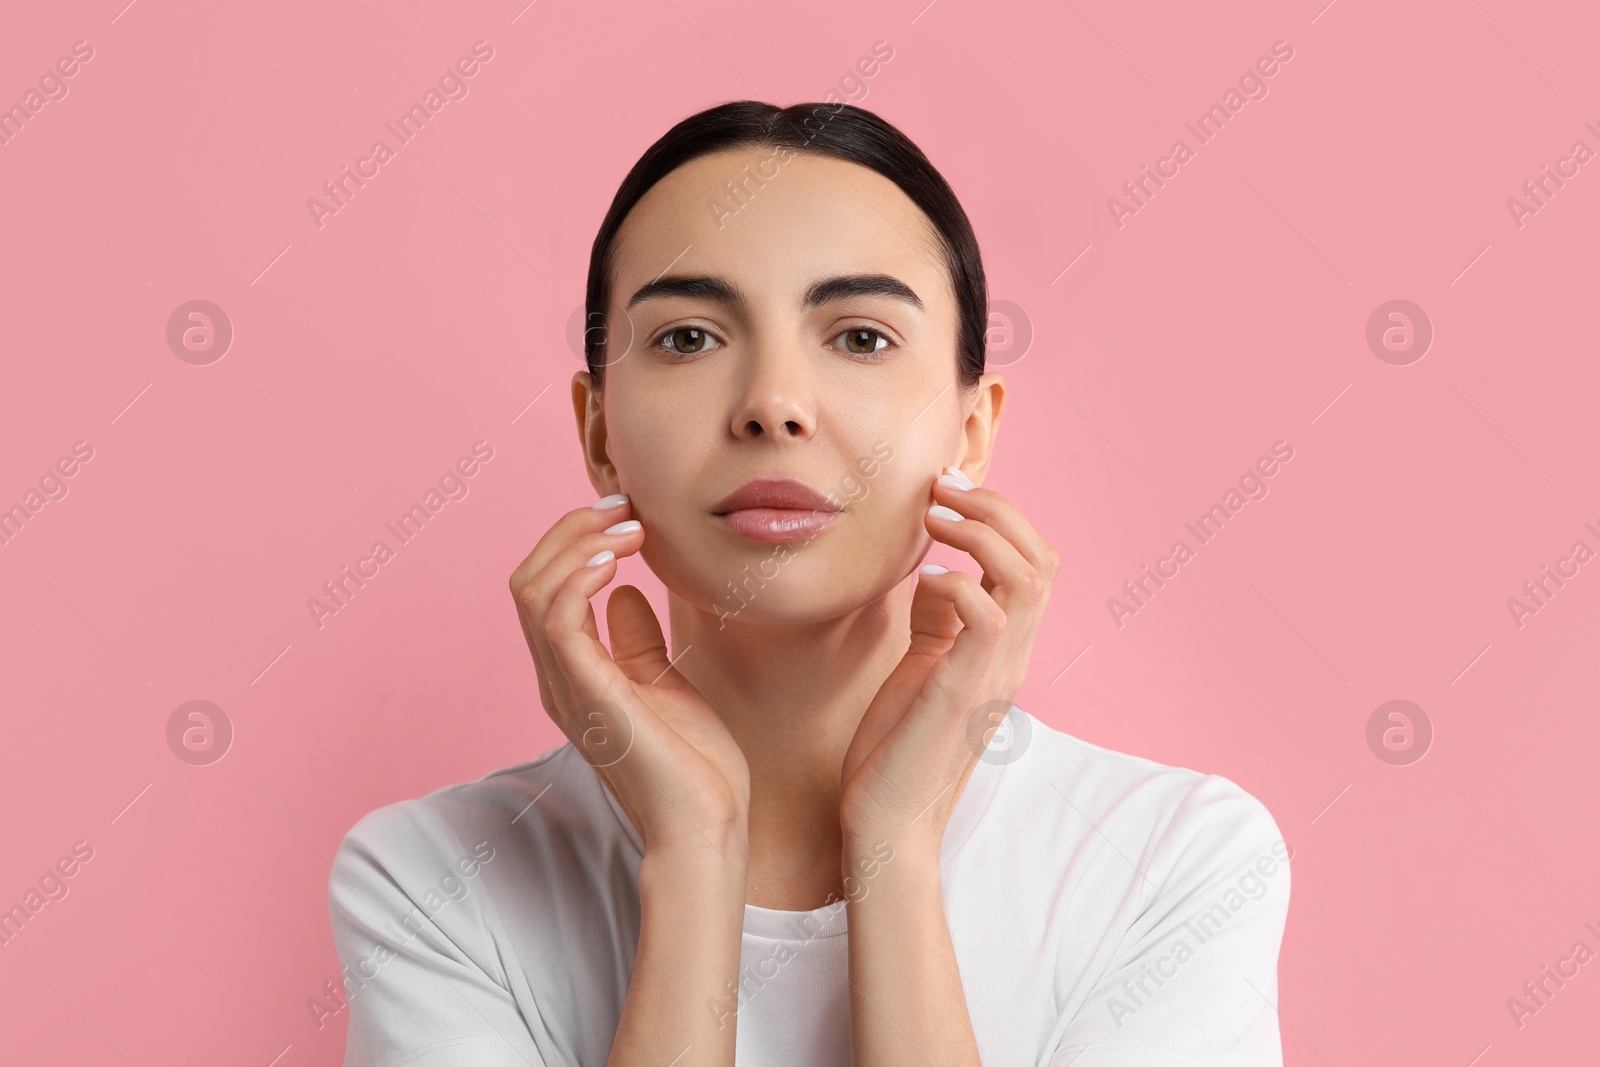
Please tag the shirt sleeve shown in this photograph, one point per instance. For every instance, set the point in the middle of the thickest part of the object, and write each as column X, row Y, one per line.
column 423, row 986
column 1195, row 979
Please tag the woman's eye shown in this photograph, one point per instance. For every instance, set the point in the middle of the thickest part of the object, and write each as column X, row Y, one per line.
column 863, row 340
column 693, row 341
column 687, row 341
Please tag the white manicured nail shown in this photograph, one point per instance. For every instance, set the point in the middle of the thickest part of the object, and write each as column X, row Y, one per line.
column 623, row 527
column 600, row 558
column 932, row 568
column 615, row 500
column 955, row 478
column 939, row 511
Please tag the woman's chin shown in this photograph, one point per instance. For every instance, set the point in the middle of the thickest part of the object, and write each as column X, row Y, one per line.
column 781, row 583
column 793, row 597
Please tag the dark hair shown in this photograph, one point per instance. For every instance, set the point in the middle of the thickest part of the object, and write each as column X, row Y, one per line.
column 843, row 131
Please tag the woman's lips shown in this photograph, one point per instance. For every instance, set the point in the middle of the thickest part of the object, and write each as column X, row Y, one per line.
column 778, row 524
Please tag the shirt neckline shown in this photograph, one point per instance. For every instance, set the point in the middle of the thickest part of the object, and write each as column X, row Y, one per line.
column 775, row 925
column 829, row 919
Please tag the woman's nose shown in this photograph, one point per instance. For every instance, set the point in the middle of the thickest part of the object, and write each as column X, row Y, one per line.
column 777, row 396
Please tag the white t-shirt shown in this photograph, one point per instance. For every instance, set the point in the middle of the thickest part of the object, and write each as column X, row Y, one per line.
column 1106, row 911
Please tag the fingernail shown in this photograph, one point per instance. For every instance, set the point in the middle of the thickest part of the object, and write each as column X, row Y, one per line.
column 615, row 500
column 939, row 511
column 955, row 478
column 623, row 527
column 932, row 568
column 600, row 558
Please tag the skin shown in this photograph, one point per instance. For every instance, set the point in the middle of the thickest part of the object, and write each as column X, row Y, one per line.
column 811, row 743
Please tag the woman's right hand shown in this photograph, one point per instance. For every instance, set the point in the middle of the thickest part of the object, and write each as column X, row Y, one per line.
column 655, row 742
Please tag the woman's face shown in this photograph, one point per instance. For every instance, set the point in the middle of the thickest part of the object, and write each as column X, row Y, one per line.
column 808, row 334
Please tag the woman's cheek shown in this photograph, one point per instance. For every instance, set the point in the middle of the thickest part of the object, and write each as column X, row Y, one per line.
column 889, row 526
column 678, row 547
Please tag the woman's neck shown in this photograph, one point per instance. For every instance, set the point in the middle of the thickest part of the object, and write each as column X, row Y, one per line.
column 792, row 695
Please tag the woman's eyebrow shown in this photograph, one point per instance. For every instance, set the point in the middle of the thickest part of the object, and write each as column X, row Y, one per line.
column 823, row 292
column 848, row 285
column 695, row 285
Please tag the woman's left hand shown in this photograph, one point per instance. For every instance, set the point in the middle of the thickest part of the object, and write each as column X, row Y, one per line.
column 970, row 644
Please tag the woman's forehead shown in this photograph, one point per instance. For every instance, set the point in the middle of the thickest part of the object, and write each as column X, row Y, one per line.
column 745, row 214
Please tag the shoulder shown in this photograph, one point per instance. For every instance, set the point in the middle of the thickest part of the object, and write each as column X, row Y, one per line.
column 1175, row 822
column 429, row 904
column 1180, row 880
column 403, row 849
column 418, row 827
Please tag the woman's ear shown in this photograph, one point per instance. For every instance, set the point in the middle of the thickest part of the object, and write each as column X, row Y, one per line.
column 591, row 417
column 982, row 426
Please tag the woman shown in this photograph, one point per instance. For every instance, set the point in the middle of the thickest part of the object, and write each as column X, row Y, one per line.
column 815, row 829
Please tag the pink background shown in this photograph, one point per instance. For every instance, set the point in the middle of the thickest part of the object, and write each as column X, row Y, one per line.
column 1229, row 313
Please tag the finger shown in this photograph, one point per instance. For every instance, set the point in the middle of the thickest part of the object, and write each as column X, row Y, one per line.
column 934, row 622
column 583, row 669
column 539, row 588
column 572, row 525
column 541, row 665
column 568, row 528
column 638, row 647
column 934, row 628
column 546, row 693
column 965, row 653
column 995, row 511
column 1008, row 575
column 606, row 722
column 950, row 611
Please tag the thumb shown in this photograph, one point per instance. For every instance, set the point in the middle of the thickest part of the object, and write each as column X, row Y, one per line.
column 934, row 622
column 934, row 626
column 637, row 644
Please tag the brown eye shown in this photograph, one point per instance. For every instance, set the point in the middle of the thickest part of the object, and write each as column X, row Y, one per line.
column 863, row 341
column 687, row 341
